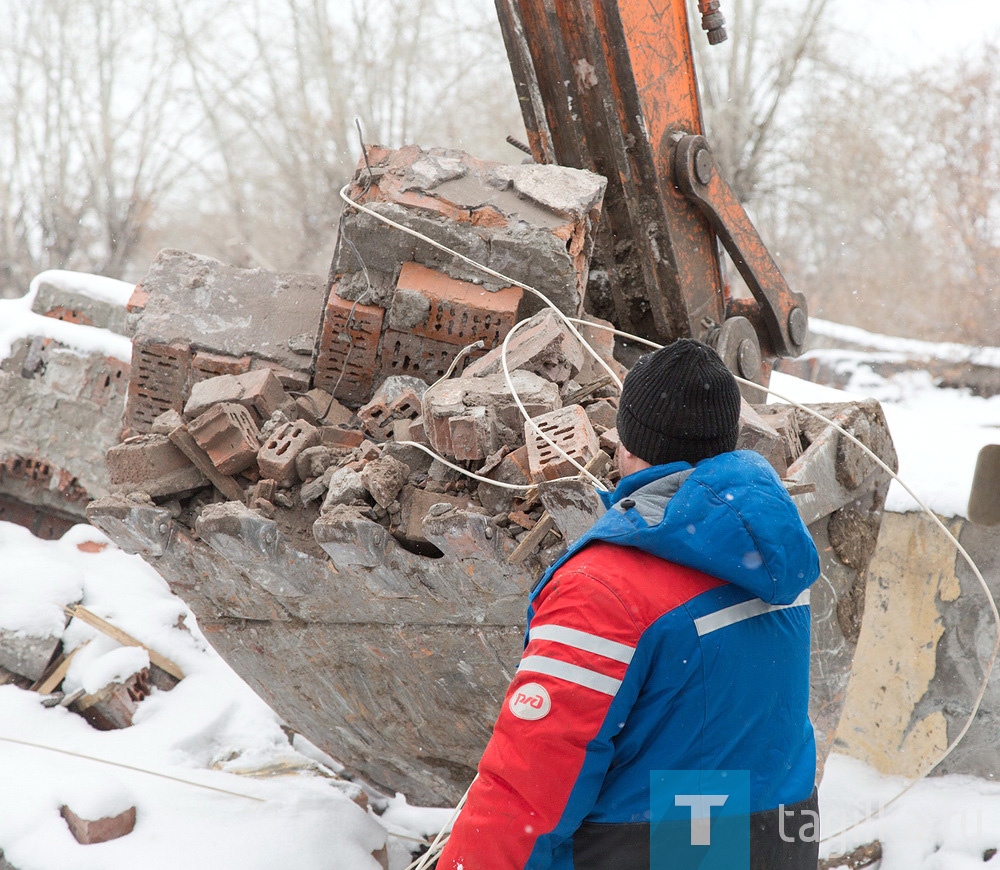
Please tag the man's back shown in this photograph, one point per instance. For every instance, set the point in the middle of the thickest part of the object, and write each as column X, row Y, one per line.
column 635, row 664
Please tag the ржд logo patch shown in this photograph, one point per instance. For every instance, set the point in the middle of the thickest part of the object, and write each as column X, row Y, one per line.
column 530, row 701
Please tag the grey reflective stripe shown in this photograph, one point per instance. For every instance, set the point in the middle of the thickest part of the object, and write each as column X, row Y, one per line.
column 746, row 610
column 610, row 649
column 570, row 673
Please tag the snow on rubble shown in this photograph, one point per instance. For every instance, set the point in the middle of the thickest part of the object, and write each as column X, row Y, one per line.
column 209, row 728
column 20, row 319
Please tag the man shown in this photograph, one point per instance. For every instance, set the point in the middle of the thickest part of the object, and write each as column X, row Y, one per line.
column 674, row 636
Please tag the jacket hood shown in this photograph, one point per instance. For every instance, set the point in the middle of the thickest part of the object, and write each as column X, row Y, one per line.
column 728, row 516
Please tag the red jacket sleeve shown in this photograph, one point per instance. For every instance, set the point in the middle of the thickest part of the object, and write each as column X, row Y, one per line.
column 581, row 642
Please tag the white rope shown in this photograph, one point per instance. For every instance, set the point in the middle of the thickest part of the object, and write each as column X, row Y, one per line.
column 527, row 417
column 570, row 321
column 128, row 767
column 437, row 847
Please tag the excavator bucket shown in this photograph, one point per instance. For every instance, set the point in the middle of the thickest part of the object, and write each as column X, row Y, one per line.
column 984, row 500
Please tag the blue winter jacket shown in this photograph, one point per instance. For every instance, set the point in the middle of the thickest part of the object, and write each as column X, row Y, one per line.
column 674, row 635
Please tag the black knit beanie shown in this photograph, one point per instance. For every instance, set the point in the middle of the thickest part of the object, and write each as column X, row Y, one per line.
column 679, row 404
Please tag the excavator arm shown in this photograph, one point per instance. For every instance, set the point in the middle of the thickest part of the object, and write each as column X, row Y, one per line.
column 610, row 86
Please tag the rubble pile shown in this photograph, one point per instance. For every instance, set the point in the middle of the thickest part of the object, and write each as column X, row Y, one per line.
column 300, row 456
column 279, row 462
column 292, row 398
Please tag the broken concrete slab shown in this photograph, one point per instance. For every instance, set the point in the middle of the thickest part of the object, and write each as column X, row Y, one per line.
column 525, row 222
column 55, row 299
column 543, row 346
column 226, row 310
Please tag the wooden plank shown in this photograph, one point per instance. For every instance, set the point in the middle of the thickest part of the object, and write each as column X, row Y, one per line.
column 189, row 447
column 48, row 681
column 123, row 638
column 531, row 541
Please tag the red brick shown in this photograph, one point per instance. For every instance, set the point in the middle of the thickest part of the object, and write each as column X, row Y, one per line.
column 424, row 358
column 472, row 435
column 228, row 434
column 158, row 382
column 259, row 391
column 572, row 431
column 339, row 437
column 290, row 379
column 318, row 407
column 346, row 368
column 460, row 312
column 89, row 831
column 417, row 431
column 276, row 459
column 152, row 464
column 209, row 365
column 377, row 417
column 610, row 441
column 137, row 301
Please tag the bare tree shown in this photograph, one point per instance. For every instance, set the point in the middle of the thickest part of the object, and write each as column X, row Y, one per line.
column 753, row 85
column 281, row 97
column 91, row 137
column 894, row 227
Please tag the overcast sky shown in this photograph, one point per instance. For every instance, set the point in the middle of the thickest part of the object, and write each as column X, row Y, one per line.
column 898, row 34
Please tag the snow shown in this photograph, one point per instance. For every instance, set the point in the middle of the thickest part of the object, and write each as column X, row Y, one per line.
column 206, row 729
column 943, row 823
column 211, row 729
column 906, row 347
column 34, row 587
column 114, row 666
column 18, row 321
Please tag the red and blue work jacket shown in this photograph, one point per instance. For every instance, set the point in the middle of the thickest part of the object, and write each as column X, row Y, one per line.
column 674, row 635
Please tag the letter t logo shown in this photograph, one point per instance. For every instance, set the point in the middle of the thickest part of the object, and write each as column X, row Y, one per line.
column 701, row 812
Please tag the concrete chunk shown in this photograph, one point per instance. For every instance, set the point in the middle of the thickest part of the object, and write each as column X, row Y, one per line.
column 543, row 345
column 384, row 478
column 231, row 310
column 501, row 422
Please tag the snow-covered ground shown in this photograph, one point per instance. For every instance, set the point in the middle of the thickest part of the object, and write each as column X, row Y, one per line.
column 284, row 807
column 286, row 810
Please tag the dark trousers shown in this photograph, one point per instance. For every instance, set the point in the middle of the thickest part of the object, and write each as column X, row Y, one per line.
column 775, row 843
